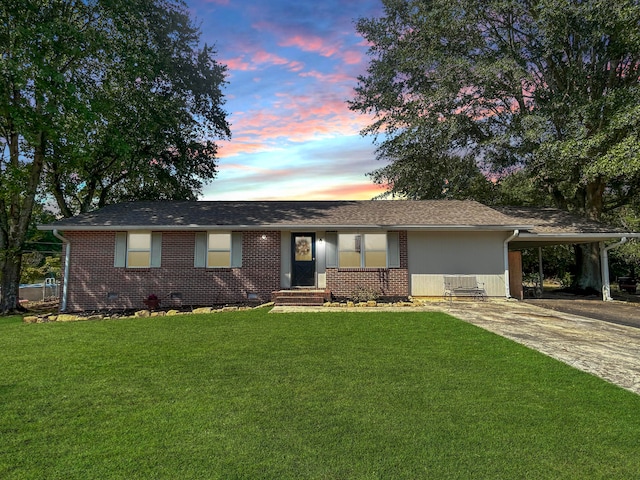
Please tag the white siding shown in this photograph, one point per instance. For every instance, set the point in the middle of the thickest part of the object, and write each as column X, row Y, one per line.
column 434, row 254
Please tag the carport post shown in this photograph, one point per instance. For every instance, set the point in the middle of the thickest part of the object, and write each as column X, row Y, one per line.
column 604, row 267
column 540, row 270
column 507, row 289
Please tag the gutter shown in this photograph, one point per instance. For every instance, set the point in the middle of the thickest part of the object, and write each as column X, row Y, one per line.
column 507, row 289
column 65, row 276
column 286, row 227
column 604, row 267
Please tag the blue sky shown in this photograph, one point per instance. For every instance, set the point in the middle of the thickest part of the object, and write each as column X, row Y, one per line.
column 291, row 67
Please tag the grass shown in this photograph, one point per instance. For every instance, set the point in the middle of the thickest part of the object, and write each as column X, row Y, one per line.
column 323, row 396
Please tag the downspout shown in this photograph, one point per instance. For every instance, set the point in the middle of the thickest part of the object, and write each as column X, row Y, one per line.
column 65, row 276
column 604, row 268
column 507, row 289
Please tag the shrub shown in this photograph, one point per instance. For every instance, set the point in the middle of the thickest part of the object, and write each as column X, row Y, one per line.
column 364, row 294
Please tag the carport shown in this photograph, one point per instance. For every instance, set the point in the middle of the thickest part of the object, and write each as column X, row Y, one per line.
column 556, row 227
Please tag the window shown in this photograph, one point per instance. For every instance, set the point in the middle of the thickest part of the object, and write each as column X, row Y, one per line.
column 219, row 250
column 357, row 250
column 375, row 250
column 139, row 249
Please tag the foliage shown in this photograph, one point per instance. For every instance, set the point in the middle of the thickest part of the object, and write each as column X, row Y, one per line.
column 149, row 135
column 546, row 90
column 547, row 87
column 340, row 395
column 558, row 262
column 364, row 294
column 625, row 260
column 100, row 100
column 36, row 267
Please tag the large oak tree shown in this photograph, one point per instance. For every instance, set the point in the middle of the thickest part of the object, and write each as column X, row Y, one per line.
column 465, row 89
column 100, row 101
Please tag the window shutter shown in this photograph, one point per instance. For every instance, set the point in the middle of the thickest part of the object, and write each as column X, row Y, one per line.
column 393, row 246
column 120, row 254
column 236, row 249
column 200, row 252
column 331, row 249
column 156, row 249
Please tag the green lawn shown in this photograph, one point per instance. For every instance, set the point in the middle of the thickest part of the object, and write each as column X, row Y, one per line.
column 323, row 396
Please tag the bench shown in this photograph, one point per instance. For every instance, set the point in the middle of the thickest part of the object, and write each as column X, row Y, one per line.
column 463, row 286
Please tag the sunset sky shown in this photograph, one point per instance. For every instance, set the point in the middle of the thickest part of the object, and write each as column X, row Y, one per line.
column 291, row 67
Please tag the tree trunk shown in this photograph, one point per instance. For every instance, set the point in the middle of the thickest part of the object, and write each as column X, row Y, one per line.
column 588, row 276
column 9, row 300
column 588, row 273
column 14, row 219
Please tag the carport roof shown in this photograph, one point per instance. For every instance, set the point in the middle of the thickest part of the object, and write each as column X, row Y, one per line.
column 553, row 226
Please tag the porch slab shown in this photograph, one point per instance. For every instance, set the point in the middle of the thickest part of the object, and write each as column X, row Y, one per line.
column 301, row 297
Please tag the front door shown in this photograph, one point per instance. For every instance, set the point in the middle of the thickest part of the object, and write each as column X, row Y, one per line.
column 303, row 246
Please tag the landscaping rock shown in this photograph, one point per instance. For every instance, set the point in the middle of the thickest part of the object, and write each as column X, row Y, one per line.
column 171, row 313
column 142, row 314
column 202, row 310
column 65, row 317
column 30, row 319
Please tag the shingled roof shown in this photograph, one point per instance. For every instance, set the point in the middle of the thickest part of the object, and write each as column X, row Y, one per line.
column 536, row 226
column 552, row 220
column 171, row 215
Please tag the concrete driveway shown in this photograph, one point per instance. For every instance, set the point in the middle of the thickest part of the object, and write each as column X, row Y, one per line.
column 608, row 350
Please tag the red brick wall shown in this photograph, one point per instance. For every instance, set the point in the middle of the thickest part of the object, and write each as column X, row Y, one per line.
column 392, row 282
column 95, row 284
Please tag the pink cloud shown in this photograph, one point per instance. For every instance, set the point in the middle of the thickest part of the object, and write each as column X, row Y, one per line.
column 294, row 118
column 352, row 57
column 310, row 43
column 237, row 63
column 267, row 57
column 334, row 78
column 264, row 57
column 258, row 58
column 359, row 191
column 237, row 147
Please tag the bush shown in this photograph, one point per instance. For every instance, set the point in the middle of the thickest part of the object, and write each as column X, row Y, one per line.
column 364, row 294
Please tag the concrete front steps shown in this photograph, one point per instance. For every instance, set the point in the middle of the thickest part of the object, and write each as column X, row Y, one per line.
column 301, row 297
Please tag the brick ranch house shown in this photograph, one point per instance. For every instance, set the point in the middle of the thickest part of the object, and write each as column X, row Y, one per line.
column 210, row 253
